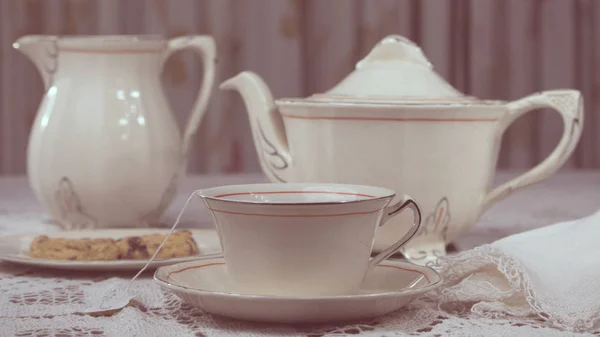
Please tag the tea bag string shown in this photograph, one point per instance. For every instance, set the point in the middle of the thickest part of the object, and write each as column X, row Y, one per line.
column 160, row 246
column 165, row 239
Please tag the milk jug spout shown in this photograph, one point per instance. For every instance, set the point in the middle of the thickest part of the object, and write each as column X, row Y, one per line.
column 42, row 50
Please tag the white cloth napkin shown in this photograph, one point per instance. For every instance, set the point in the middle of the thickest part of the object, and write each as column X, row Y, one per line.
column 552, row 272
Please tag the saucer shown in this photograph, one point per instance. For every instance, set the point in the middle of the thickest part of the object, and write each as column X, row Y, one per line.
column 206, row 285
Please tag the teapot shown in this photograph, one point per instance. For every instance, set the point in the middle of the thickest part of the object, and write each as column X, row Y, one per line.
column 394, row 122
column 105, row 149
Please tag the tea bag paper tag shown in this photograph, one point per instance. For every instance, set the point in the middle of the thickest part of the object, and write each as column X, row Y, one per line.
column 118, row 297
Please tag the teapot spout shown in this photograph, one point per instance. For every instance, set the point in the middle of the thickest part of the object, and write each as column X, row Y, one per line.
column 42, row 50
column 267, row 125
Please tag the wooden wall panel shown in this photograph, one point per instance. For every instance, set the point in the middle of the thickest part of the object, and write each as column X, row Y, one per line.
column 108, row 17
column 20, row 84
column 435, row 34
column 593, row 147
column 521, row 79
column 557, row 64
column 271, row 48
column 589, row 76
column 217, row 137
column 488, row 54
column 499, row 49
column 332, row 45
column 385, row 17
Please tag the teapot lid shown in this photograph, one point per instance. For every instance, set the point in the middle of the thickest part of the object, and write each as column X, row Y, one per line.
column 395, row 70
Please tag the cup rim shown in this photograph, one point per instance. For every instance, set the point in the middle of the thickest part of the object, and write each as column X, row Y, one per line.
column 220, row 193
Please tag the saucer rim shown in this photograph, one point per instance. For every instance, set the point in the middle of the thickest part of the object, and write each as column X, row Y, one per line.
column 407, row 291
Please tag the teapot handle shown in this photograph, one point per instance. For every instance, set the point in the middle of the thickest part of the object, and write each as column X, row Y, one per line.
column 205, row 46
column 569, row 104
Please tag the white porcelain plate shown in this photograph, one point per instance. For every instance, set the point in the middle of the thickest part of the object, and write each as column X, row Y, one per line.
column 14, row 249
column 205, row 284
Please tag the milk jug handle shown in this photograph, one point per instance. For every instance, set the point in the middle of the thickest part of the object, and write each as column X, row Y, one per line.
column 569, row 104
column 205, row 46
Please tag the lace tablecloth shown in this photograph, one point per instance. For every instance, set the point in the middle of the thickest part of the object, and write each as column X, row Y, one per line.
column 37, row 302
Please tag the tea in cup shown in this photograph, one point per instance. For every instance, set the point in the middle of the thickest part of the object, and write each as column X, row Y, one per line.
column 301, row 239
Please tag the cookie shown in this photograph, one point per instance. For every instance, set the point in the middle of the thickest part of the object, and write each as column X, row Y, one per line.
column 85, row 249
column 179, row 244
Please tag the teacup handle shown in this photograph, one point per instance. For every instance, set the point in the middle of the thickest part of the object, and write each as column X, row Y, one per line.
column 569, row 104
column 388, row 213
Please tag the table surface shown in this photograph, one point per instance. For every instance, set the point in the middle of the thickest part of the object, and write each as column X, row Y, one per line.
column 578, row 193
column 567, row 195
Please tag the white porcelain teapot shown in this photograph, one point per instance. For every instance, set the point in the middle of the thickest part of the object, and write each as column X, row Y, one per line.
column 105, row 150
column 393, row 122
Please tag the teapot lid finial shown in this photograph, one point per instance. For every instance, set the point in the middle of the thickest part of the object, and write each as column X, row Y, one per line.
column 395, row 69
column 394, row 47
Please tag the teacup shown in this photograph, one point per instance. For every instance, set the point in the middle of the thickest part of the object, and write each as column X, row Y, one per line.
column 303, row 239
